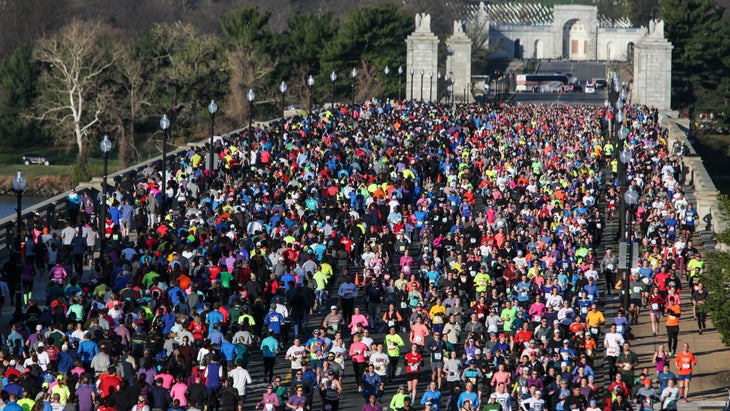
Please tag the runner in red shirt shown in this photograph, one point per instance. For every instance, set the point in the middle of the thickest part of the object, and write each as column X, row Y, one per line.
column 413, row 369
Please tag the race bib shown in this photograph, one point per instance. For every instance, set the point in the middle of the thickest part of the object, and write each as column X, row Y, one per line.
column 620, row 328
column 473, row 240
column 611, row 351
column 414, row 367
column 655, row 306
column 274, row 319
column 437, row 356
column 438, row 319
column 637, row 290
column 391, row 347
column 598, row 225
column 419, row 338
column 609, row 266
column 685, row 366
column 536, row 318
column 482, row 283
column 391, row 323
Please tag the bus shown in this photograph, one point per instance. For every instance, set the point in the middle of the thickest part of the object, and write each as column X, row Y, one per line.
column 542, row 83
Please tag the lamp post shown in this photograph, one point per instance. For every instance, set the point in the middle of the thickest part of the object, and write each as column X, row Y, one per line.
column 386, row 70
column 629, row 199
column 464, row 101
column 106, row 147
column 430, row 86
column 19, row 185
column 447, row 83
column 333, row 78
column 400, row 73
column 421, row 86
column 310, row 84
column 251, row 96
column 438, row 81
column 412, row 73
column 165, row 126
column 353, row 74
column 212, row 108
column 451, row 83
column 282, row 89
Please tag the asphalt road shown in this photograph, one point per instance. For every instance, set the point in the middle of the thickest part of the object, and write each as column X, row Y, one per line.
column 583, row 70
column 577, row 98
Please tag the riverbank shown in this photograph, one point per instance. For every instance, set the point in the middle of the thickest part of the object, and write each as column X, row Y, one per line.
column 38, row 186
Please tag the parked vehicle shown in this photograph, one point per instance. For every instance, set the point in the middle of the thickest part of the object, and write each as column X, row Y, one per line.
column 29, row 159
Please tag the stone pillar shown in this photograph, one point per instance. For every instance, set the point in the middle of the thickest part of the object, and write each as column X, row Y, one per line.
column 458, row 62
column 422, row 57
column 653, row 69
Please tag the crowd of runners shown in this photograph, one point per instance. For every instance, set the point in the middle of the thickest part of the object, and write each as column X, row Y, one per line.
column 406, row 255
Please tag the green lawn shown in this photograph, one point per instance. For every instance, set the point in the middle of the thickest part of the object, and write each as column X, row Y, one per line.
column 62, row 161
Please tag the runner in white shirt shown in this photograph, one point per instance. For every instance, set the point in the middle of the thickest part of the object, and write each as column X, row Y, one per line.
column 296, row 354
column 379, row 360
column 613, row 341
column 241, row 379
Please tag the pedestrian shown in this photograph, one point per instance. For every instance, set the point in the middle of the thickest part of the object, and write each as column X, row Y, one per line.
column 685, row 362
column 673, row 312
column 270, row 348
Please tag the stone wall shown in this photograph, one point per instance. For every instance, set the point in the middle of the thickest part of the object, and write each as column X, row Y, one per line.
column 705, row 192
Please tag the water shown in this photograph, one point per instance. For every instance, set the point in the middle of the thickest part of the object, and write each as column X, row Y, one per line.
column 8, row 203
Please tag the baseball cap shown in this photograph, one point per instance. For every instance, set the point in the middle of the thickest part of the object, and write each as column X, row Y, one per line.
column 493, row 396
column 334, row 307
column 647, row 381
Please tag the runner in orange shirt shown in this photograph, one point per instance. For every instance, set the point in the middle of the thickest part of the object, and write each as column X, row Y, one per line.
column 685, row 362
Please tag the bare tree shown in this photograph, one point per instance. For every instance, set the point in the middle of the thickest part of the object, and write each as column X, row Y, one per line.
column 369, row 83
column 72, row 100
column 246, row 68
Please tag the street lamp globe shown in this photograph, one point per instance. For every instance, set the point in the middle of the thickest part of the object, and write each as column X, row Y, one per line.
column 164, row 122
column 283, row 87
column 310, row 81
column 353, row 73
column 105, row 145
column 212, row 107
column 400, row 70
column 333, row 76
column 412, row 71
column 631, row 196
column 386, row 70
column 251, row 95
column 19, row 182
column 625, row 155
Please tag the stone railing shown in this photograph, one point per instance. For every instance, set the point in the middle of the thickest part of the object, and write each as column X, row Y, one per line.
column 50, row 209
column 705, row 192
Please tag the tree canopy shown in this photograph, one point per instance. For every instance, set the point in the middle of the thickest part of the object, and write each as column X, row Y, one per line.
column 700, row 36
column 717, row 279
